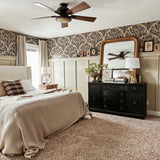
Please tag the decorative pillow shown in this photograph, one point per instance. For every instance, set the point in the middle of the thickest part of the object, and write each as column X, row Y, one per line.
column 2, row 90
column 13, row 87
column 27, row 85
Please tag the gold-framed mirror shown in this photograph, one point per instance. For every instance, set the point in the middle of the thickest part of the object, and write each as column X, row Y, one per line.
column 114, row 51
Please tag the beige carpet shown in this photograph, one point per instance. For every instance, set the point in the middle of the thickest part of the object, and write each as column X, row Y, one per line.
column 105, row 137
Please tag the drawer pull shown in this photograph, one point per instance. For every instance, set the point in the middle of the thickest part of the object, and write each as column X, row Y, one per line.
column 134, row 102
column 94, row 86
column 121, row 94
column 94, row 98
column 121, row 108
column 104, row 99
column 134, row 88
column 105, row 106
column 121, row 101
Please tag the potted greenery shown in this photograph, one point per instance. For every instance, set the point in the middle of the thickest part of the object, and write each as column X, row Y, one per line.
column 93, row 70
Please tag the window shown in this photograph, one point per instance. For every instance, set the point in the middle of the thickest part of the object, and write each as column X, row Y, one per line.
column 32, row 52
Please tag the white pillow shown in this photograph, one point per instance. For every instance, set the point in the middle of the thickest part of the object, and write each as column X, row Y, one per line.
column 27, row 85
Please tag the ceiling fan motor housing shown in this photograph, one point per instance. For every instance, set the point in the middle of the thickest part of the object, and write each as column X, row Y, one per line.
column 62, row 9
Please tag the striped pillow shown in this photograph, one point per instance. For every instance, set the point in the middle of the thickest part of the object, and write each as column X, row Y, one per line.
column 13, row 87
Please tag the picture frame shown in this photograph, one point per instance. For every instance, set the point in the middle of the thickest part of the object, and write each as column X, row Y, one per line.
column 120, row 72
column 84, row 54
column 107, row 74
column 148, row 46
column 78, row 55
column 156, row 47
column 81, row 53
column 93, row 52
column 88, row 53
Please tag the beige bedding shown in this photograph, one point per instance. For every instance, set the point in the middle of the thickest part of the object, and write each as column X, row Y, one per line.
column 26, row 120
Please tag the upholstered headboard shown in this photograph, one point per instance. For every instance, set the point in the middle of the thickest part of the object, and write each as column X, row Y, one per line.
column 15, row 72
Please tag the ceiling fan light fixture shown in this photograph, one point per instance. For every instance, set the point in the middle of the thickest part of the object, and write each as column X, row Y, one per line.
column 63, row 19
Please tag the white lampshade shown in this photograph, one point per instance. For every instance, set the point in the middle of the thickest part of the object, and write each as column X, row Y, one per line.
column 132, row 63
column 45, row 70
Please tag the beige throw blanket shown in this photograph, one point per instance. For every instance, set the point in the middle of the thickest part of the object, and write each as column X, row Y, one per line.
column 26, row 120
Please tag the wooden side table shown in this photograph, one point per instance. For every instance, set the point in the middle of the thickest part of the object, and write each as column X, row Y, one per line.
column 49, row 86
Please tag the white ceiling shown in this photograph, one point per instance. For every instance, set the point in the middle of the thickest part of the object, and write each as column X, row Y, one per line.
column 15, row 16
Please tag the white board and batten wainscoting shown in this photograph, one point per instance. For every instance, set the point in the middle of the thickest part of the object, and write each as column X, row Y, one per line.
column 70, row 73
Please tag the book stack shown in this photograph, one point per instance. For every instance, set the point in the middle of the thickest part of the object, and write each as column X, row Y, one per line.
column 118, row 80
column 109, row 81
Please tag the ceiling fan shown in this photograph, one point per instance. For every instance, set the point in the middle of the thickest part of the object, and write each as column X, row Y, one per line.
column 121, row 55
column 65, row 14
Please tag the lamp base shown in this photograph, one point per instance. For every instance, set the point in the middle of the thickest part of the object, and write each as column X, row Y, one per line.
column 46, row 80
column 132, row 76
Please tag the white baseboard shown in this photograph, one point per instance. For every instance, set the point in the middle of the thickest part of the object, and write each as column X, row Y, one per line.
column 153, row 113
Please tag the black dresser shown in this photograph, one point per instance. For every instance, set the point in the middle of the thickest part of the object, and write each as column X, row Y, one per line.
column 121, row 99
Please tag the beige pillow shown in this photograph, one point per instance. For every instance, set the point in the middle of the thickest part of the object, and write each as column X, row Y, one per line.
column 2, row 90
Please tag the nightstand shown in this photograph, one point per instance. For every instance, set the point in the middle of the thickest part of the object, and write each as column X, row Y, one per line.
column 49, row 86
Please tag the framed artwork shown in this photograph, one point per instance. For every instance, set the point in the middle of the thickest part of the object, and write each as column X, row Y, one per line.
column 84, row 54
column 156, row 47
column 93, row 52
column 98, row 52
column 78, row 55
column 106, row 74
column 81, row 53
column 148, row 46
column 120, row 73
column 88, row 53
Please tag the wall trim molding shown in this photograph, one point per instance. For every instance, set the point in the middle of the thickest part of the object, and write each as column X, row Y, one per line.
column 153, row 113
column 75, row 58
column 7, row 60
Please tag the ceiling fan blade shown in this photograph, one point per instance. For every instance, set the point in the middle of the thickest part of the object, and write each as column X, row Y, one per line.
column 44, row 17
column 112, row 58
column 84, row 18
column 43, row 6
column 111, row 54
column 63, row 25
column 80, row 7
column 126, row 53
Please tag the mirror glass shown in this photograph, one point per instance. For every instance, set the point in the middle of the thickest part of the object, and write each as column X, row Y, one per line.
column 117, row 48
column 114, row 52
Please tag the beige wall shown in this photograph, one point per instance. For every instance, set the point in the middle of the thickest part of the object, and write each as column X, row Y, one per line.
column 7, row 60
column 150, row 71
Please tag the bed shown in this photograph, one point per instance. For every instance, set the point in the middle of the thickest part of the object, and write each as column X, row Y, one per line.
column 27, row 120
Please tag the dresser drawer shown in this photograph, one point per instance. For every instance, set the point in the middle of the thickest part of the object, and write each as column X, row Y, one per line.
column 135, row 103
column 114, row 86
column 137, row 88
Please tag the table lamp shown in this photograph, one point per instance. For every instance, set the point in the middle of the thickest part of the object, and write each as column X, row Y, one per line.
column 132, row 64
column 46, row 71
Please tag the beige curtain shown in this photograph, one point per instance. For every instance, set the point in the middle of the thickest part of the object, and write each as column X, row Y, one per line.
column 21, row 51
column 43, row 61
column 43, row 53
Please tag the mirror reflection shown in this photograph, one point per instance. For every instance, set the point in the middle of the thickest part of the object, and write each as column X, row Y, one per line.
column 116, row 52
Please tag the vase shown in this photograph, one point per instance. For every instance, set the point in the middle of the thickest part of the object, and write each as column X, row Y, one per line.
column 94, row 75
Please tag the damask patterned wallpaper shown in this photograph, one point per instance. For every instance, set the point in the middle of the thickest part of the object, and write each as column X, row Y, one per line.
column 69, row 46
column 8, row 42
